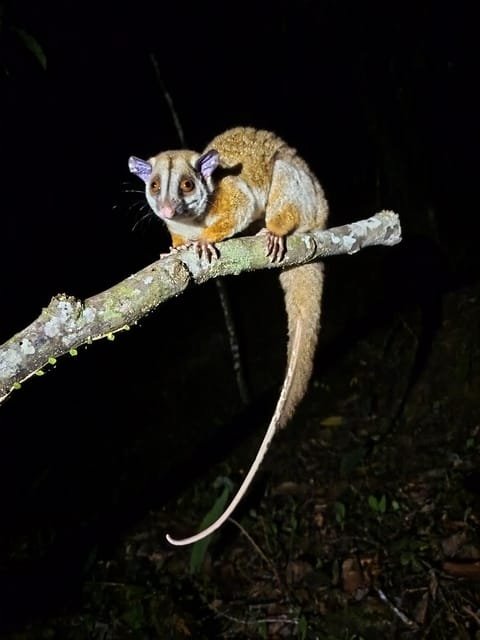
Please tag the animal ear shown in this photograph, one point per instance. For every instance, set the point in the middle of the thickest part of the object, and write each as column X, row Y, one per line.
column 207, row 163
column 140, row 168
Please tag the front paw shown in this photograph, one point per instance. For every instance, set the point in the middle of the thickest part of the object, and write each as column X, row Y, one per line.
column 173, row 250
column 206, row 250
column 203, row 249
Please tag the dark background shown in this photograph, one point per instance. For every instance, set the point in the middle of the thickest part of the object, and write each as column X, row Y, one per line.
column 379, row 98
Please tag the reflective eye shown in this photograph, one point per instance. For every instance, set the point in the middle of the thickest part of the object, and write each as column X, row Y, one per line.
column 155, row 185
column 186, row 185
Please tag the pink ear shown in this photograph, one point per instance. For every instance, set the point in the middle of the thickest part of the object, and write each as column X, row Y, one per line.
column 140, row 168
column 207, row 163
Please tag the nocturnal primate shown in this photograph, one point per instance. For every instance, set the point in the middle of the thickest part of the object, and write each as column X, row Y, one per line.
column 246, row 176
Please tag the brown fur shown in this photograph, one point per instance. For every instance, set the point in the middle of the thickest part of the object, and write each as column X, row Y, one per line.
column 261, row 178
column 302, row 287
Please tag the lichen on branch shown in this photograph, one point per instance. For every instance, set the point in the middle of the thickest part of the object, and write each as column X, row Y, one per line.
column 66, row 323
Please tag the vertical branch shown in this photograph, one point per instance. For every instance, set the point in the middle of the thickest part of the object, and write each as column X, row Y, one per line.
column 233, row 340
column 168, row 99
column 219, row 283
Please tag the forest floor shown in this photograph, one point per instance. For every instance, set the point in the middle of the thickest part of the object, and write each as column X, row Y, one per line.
column 363, row 523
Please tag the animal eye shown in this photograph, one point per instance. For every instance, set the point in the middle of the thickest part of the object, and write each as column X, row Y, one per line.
column 186, row 185
column 155, row 185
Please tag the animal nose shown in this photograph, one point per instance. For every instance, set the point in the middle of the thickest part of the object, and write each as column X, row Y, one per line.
column 166, row 211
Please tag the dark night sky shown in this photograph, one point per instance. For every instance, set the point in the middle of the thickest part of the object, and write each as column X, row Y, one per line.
column 378, row 97
column 370, row 95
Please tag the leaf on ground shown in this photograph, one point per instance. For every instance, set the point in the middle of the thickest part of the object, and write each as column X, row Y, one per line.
column 355, row 582
column 469, row 570
column 332, row 421
column 199, row 549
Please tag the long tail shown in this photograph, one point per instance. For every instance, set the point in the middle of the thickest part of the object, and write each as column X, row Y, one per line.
column 303, row 288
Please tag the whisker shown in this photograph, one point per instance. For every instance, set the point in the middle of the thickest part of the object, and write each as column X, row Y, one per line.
column 129, row 208
column 146, row 216
column 132, row 203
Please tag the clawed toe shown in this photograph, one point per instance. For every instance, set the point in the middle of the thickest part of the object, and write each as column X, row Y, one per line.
column 275, row 245
column 173, row 250
column 204, row 250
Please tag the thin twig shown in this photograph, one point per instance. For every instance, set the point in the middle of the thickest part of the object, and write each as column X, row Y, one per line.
column 410, row 623
column 231, row 618
column 233, row 340
column 472, row 614
column 258, row 550
column 169, row 100
column 219, row 283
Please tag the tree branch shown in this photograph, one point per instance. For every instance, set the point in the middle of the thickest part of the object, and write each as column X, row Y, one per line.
column 68, row 322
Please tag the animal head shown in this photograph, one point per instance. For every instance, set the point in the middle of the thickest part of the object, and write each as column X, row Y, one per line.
column 177, row 183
